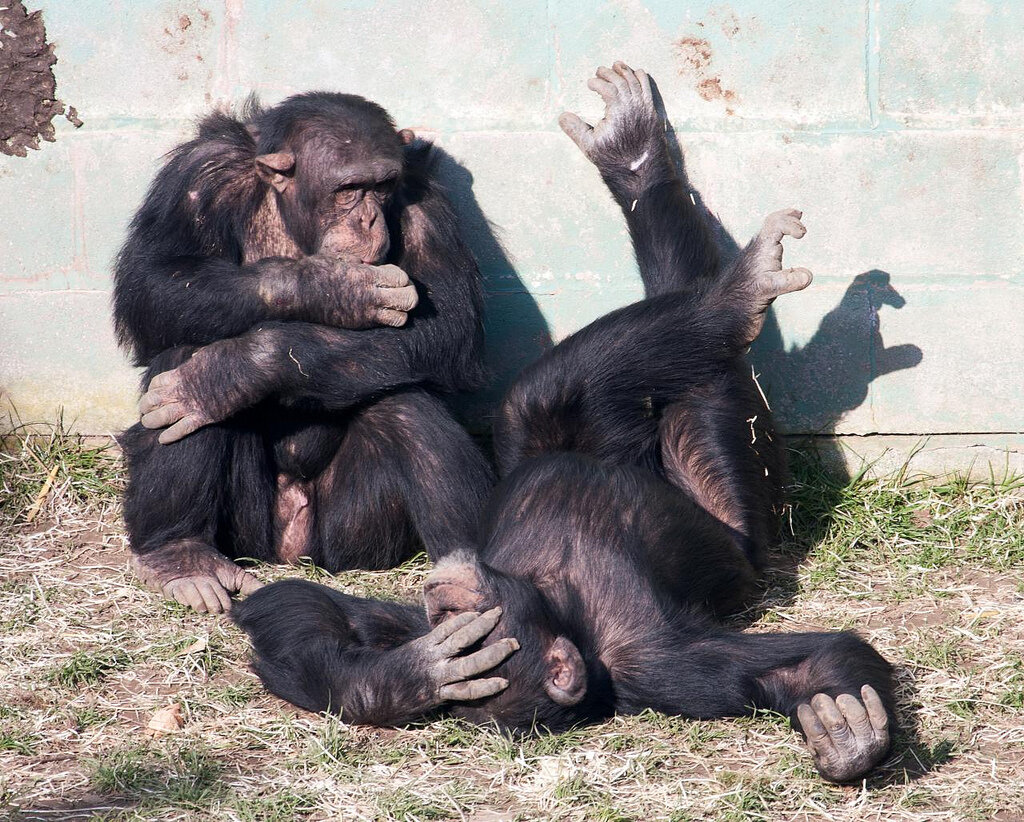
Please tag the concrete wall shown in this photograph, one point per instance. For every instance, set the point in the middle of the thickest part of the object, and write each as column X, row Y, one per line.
column 895, row 125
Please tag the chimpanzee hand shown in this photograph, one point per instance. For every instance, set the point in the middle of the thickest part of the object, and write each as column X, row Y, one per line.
column 196, row 393
column 846, row 737
column 345, row 293
column 630, row 137
column 450, row 676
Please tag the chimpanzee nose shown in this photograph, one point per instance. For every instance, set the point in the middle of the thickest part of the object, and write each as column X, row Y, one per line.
column 368, row 218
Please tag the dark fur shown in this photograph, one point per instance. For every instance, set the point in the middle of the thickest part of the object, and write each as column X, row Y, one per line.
column 356, row 415
column 643, row 484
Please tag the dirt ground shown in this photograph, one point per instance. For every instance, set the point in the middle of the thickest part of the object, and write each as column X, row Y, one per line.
column 931, row 574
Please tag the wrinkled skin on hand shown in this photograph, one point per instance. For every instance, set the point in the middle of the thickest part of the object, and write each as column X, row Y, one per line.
column 847, row 736
column 341, row 291
column 451, row 676
column 170, row 403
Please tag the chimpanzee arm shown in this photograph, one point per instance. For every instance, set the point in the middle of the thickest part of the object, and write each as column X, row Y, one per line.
column 372, row 662
column 834, row 687
column 181, row 277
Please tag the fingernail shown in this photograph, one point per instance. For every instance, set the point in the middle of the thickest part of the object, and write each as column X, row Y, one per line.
column 514, row 643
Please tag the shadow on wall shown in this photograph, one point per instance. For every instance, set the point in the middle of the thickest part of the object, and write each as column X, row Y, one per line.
column 516, row 332
column 810, row 388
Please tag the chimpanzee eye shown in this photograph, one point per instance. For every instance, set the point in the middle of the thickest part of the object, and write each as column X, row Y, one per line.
column 347, row 196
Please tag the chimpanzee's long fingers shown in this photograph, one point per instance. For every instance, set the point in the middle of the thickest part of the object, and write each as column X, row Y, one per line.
column 876, row 710
column 856, row 717
column 616, row 79
column 645, row 85
column 466, row 667
column 818, row 739
column 606, row 90
column 392, row 318
column 390, row 276
column 163, row 415
column 401, row 299
column 449, row 627
column 632, row 81
column 152, row 399
column 472, row 689
column 181, row 429
column 470, row 633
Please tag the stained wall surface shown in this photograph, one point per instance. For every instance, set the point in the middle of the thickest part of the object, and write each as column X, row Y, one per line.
column 895, row 125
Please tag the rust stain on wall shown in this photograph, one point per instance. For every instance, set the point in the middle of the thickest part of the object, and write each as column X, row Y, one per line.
column 695, row 56
column 28, row 89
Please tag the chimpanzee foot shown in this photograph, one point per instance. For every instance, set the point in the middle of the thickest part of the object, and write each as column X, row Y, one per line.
column 846, row 737
column 451, row 675
column 759, row 270
column 629, row 139
column 195, row 575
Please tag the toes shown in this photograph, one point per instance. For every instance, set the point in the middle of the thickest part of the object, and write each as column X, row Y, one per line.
column 247, row 584
column 606, row 90
column 185, row 592
column 613, row 77
column 580, row 133
column 624, row 71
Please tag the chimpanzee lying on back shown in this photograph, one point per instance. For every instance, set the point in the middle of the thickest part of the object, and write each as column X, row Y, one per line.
column 643, row 477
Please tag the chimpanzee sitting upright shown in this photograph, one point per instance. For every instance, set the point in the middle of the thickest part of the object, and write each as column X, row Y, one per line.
column 254, row 284
column 643, row 480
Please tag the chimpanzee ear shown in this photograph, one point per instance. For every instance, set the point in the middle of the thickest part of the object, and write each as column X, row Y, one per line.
column 275, row 169
column 566, row 682
column 406, row 135
column 455, row 586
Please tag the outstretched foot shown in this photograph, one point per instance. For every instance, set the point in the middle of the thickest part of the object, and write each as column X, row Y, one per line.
column 195, row 575
column 629, row 138
column 759, row 271
column 846, row 736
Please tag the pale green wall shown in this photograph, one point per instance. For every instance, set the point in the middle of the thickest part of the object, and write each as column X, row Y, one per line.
column 895, row 125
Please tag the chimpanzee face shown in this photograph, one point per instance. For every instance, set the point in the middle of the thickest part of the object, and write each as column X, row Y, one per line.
column 547, row 677
column 334, row 185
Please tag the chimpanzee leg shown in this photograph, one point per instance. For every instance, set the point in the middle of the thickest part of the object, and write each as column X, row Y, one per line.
column 407, row 476
column 719, row 445
column 672, row 240
column 189, row 503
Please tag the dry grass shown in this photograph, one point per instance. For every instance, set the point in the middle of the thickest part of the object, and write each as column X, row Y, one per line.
column 930, row 574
